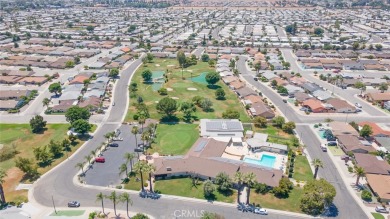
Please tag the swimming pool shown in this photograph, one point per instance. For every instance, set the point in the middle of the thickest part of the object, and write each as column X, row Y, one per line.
column 266, row 160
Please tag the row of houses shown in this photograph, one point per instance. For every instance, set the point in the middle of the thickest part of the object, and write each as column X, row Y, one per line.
column 113, row 60
column 22, row 77
column 72, row 43
column 344, row 64
column 376, row 168
column 249, row 98
column 86, row 95
column 50, row 51
column 35, row 61
column 11, row 99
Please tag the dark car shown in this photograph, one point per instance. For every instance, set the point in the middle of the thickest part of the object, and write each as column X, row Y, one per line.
column 332, row 143
column 113, row 145
column 138, row 150
column 73, row 204
column 284, row 101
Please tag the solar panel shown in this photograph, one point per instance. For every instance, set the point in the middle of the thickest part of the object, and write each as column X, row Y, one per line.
column 201, row 145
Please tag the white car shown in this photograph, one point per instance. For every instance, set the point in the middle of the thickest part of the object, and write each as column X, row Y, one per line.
column 358, row 105
column 117, row 139
column 261, row 211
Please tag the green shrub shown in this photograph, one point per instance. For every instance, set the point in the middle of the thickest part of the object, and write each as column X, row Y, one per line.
column 366, row 195
column 350, row 169
column 315, row 126
column 146, row 184
column 118, row 187
column 92, row 215
column 163, row 91
column 136, row 116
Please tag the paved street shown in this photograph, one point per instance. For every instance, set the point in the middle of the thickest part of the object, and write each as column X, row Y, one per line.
column 105, row 174
column 343, row 208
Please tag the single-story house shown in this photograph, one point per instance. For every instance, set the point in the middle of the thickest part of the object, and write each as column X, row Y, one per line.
column 221, row 128
column 341, row 106
column 314, row 105
column 372, row 164
column 261, row 109
column 380, row 185
column 350, row 143
column 342, row 128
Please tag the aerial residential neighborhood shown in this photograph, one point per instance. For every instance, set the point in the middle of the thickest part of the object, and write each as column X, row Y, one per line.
column 194, row 109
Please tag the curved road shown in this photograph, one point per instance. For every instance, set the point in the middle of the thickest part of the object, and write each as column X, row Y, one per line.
column 59, row 182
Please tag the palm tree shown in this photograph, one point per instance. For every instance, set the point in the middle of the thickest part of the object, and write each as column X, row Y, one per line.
column 125, row 197
column 115, row 200
column 46, row 102
column 135, row 130
column 359, row 172
column 88, row 158
column 100, row 197
column 150, row 169
column 3, row 174
column 140, row 167
column 81, row 167
column 145, row 137
column 109, row 136
column 93, row 153
column 129, row 159
column 123, row 169
column 238, row 178
column 249, row 181
column 141, row 121
column 317, row 163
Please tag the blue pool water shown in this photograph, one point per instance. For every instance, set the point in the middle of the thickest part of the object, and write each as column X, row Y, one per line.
column 266, row 160
column 321, row 133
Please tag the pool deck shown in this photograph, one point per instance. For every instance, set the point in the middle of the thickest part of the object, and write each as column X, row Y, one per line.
column 236, row 152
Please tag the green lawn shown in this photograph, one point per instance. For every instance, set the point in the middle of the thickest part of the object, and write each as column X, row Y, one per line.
column 133, row 184
column 68, row 213
column 377, row 215
column 23, row 140
column 175, row 139
column 286, row 204
column 183, row 187
column 276, row 135
column 180, row 91
column 302, row 170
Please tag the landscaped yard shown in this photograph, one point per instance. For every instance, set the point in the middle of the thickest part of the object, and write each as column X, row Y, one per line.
column 276, row 135
column 302, row 170
column 133, row 184
column 181, row 92
column 174, row 139
column 286, row 204
column 69, row 213
column 336, row 151
column 23, row 140
column 183, row 187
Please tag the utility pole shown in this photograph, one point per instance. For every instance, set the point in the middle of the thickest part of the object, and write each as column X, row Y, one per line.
column 54, row 206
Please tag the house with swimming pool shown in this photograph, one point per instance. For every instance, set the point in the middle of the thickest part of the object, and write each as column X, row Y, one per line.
column 222, row 148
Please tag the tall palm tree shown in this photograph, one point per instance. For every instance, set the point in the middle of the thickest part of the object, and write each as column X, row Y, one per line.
column 81, row 167
column 129, row 159
column 123, row 169
column 115, row 200
column 93, row 153
column 317, row 163
column 238, row 178
column 359, row 172
column 249, row 181
column 3, row 174
column 141, row 121
column 140, row 167
column 125, row 197
column 88, row 158
column 134, row 131
column 100, row 198
column 150, row 169
column 145, row 137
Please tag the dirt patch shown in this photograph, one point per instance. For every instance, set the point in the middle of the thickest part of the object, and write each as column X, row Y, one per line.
column 14, row 176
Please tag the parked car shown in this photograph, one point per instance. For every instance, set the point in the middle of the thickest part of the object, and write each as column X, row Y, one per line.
column 117, row 139
column 100, row 160
column 113, row 103
column 261, row 211
column 358, row 105
column 73, row 204
column 113, row 145
column 381, row 209
column 324, row 148
column 255, row 78
column 284, row 101
column 138, row 150
column 332, row 143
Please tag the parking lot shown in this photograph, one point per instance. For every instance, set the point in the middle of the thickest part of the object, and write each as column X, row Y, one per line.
column 106, row 174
